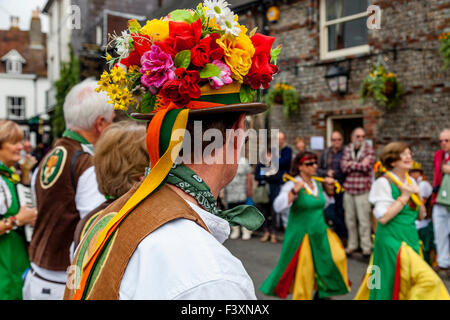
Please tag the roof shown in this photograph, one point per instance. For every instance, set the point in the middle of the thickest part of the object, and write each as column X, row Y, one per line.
column 170, row 5
column 20, row 41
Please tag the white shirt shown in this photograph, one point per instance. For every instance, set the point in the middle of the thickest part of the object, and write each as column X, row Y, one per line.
column 380, row 195
column 281, row 201
column 181, row 260
column 87, row 198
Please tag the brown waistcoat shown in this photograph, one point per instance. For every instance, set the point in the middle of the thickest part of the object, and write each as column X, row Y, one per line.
column 57, row 212
column 162, row 206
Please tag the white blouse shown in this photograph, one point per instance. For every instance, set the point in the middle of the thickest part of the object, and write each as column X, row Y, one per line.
column 281, row 201
column 380, row 195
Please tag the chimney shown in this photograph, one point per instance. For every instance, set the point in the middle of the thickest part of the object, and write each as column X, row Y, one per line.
column 14, row 23
column 36, row 39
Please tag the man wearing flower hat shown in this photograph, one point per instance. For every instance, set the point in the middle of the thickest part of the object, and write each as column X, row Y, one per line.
column 163, row 239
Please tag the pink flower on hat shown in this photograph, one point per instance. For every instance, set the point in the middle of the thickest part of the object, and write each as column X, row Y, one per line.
column 157, row 68
column 223, row 78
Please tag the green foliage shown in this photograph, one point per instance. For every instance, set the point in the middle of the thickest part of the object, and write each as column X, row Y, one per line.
column 283, row 94
column 247, row 94
column 210, row 70
column 382, row 86
column 148, row 103
column 69, row 76
column 444, row 50
column 183, row 59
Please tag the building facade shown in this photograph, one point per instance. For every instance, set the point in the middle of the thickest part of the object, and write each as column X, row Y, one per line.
column 23, row 78
column 317, row 35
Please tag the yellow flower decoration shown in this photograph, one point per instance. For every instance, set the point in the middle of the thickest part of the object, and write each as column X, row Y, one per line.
column 238, row 53
column 133, row 69
column 114, row 91
column 102, row 85
column 157, row 30
column 118, row 75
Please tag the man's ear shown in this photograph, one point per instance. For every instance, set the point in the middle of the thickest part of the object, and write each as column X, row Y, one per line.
column 99, row 124
column 239, row 125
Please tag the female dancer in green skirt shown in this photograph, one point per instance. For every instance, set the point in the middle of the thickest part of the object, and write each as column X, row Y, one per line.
column 312, row 256
column 13, row 251
column 397, row 270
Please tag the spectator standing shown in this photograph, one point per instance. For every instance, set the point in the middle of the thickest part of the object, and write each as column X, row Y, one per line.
column 357, row 163
column 425, row 226
column 441, row 212
column 237, row 192
column 13, row 250
column 300, row 144
column 285, row 158
column 264, row 176
column 66, row 190
column 330, row 166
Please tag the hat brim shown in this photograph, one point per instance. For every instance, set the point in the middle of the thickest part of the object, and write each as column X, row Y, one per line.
column 248, row 108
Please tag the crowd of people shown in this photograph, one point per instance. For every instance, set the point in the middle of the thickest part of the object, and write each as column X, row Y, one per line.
column 312, row 203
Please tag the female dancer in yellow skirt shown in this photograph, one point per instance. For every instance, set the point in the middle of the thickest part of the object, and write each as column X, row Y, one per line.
column 397, row 270
column 312, row 255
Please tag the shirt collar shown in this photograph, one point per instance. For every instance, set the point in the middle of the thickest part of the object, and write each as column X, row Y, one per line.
column 219, row 228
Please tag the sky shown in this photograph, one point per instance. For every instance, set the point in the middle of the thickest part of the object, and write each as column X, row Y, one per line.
column 22, row 9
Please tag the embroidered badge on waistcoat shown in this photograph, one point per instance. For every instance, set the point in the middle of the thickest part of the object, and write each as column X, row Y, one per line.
column 53, row 167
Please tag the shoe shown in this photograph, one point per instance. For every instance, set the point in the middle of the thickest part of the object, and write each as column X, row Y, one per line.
column 235, row 232
column 265, row 237
column 273, row 238
column 246, row 234
column 349, row 252
column 366, row 257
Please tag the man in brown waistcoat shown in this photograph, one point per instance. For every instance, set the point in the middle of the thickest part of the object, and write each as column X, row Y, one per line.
column 66, row 189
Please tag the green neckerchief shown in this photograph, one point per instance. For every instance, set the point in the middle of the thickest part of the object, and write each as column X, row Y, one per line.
column 9, row 173
column 188, row 181
column 77, row 137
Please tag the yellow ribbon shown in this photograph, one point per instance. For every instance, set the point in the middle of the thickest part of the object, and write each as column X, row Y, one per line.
column 338, row 186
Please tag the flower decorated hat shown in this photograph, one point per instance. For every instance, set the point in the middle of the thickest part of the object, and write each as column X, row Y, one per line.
column 200, row 62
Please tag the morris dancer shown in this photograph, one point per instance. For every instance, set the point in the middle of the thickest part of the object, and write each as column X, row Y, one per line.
column 312, row 256
column 397, row 270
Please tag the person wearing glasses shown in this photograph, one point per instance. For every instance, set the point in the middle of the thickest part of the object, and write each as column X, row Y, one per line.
column 441, row 212
column 330, row 166
column 357, row 163
column 312, row 256
column 397, row 269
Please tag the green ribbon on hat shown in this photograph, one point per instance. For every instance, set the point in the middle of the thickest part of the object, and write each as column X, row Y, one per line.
column 188, row 181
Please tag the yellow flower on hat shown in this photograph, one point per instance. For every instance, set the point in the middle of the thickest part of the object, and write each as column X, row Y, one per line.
column 157, row 30
column 238, row 53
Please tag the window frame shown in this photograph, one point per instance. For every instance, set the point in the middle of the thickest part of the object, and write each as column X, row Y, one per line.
column 325, row 54
column 10, row 115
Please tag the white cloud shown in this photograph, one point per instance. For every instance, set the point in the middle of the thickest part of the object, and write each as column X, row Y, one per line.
column 21, row 9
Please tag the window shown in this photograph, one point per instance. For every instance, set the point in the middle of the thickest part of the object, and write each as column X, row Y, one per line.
column 16, row 108
column 13, row 66
column 343, row 28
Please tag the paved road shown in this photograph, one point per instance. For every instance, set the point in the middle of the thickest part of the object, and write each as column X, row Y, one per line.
column 259, row 259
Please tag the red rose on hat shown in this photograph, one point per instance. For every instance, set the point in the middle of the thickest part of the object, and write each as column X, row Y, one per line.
column 183, row 89
column 261, row 71
column 182, row 36
column 206, row 51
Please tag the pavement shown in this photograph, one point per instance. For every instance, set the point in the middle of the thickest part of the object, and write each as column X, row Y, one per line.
column 259, row 259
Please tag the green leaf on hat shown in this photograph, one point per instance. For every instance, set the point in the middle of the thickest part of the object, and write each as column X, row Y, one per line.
column 183, row 59
column 133, row 26
column 148, row 103
column 274, row 54
column 247, row 94
column 210, row 70
column 183, row 15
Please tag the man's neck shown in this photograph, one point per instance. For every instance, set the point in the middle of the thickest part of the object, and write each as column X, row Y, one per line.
column 88, row 135
column 212, row 175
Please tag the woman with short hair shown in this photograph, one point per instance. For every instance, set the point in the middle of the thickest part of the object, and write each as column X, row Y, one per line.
column 13, row 249
column 120, row 160
column 312, row 256
column 397, row 270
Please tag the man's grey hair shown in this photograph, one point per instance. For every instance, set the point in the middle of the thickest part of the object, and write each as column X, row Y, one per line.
column 83, row 105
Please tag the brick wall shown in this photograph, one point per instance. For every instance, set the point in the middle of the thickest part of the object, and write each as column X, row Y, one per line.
column 413, row 26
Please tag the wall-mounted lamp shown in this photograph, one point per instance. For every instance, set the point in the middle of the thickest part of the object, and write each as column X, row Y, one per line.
column 337, row 79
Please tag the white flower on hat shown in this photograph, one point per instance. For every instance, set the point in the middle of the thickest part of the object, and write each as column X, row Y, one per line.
column 217, row 8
